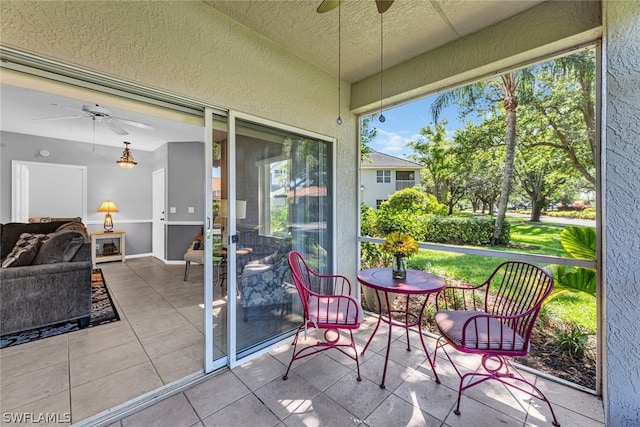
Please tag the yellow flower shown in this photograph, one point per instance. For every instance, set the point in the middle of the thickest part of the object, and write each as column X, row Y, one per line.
column 399, row 244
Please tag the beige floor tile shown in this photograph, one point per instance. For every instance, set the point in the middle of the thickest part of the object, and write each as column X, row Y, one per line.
column 360, row 398
column 373, row 369
column 260, row 371
column 214, row 394
column 321, row 411
column 33, row 356
column 180, row 363
column 148, row 311
column 247, row 411
column 583, row 403
column 422, row 391
column 170, row 340
column 397, row 412
column 96, row 396
column 93, row 340
column 24, row 389
column 473, row 413
column 540, row 416
column 174, row 411
column 322, row 371
column 287, row 397
column 499, row 397
column 106, row 362
column 56, row 406
column 155, row 325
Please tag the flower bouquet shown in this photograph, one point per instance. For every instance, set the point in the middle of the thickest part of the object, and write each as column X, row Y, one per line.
column 401, row 246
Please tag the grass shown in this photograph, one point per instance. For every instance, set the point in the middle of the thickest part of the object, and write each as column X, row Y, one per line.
column 544, row 239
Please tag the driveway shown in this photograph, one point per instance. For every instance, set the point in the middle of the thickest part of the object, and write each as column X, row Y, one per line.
column 557, row 220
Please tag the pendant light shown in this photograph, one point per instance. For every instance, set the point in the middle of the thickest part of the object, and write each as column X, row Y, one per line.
column 126, row 161
column 339, row 119
column 381, row 117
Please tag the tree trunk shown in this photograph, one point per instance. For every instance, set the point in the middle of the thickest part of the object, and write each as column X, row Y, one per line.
column 536, row 209
column 510, row 104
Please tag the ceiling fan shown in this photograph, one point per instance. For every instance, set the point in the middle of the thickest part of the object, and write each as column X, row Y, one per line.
column 327, row 5
column 100, row 114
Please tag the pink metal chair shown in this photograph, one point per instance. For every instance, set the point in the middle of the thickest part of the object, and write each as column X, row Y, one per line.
column 494, row 319
column 327, row 305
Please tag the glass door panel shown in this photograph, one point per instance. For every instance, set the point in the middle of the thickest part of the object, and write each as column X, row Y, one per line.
column 283, row 186
column 216, row 274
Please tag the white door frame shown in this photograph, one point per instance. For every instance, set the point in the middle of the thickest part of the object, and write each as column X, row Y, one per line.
column 158, row 206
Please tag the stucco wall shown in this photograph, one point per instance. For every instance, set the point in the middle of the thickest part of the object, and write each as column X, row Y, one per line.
column 543, row 30
column 187, row 48
column 622, row 203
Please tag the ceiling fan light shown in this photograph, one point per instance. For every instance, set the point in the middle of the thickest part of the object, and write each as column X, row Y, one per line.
column 126, row 161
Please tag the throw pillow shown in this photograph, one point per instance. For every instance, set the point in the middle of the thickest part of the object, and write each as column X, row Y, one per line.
column 59, row 247
column 24, row 251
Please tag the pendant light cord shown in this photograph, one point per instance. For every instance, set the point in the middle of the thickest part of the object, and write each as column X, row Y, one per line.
column 381, row 117
column 339, row 119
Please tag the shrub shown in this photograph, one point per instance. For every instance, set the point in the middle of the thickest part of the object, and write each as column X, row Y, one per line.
column 406, row 212
column 573, row 207
column 471, row 231
column 570, row 341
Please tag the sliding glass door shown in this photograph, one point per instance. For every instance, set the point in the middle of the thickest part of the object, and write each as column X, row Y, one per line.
column 272, row 188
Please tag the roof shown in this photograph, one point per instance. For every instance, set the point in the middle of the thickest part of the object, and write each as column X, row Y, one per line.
column 378, row 160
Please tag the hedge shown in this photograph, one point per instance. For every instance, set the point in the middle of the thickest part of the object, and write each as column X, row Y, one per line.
column 464, row 231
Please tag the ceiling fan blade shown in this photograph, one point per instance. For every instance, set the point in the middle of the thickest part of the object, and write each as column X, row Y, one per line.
column 383, row 5
column 114, row 127
column 58, row 118
column 328, row 5
column 132, row 123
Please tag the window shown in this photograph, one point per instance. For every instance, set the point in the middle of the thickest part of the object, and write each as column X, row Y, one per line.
column 405, row 175
column 379, row 202
column 383, row 177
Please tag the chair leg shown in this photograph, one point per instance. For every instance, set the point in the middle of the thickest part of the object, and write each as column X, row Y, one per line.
column 504, row 375
column 186, row 270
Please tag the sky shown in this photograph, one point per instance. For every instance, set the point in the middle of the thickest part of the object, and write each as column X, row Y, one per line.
column 403, row 124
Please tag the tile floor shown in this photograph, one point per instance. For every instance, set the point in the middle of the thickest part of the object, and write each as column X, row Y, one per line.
column 86, row 372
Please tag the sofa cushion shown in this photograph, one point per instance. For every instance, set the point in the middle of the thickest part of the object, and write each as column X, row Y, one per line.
column 59, row 247
column 25, row 250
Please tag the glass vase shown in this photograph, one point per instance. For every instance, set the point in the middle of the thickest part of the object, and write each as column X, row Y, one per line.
column 399, row 270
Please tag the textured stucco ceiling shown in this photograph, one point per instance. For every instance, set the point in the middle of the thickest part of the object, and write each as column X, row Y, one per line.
column 410, row 28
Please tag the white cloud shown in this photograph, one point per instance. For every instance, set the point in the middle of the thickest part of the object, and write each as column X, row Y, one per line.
column 393, row 143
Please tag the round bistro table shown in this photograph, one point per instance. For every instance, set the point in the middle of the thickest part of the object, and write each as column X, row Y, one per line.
column 417, row 282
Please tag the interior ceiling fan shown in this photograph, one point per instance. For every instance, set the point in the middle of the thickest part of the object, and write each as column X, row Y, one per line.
column 99, row 114
column 327, row 5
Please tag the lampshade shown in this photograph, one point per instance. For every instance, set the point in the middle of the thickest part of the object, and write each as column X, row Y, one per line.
column 241, row 208
column 126, row 161
column 108, row 206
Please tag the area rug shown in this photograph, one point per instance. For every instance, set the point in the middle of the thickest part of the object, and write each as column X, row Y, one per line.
column 102, row 312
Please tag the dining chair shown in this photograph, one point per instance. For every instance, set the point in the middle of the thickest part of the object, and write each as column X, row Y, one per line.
column 327, row 304
column 495, row 320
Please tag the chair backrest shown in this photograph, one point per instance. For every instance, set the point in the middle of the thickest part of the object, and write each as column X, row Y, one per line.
column 517, row 288
column 301, row 278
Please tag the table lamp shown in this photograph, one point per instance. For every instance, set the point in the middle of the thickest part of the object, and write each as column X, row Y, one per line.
column 108, row 206
column 241, row 213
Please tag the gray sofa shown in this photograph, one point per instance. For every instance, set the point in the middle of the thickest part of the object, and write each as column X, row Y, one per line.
column 51, row 291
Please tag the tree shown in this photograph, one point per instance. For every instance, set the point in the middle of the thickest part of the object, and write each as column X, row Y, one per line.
column 564, row 96
column 506, row 89
column 367, row 134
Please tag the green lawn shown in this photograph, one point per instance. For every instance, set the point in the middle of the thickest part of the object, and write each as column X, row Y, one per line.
column 525, row 237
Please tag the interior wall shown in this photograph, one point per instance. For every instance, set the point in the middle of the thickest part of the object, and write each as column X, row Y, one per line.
column 188, row 48
column 105, row 181
column 622, row 218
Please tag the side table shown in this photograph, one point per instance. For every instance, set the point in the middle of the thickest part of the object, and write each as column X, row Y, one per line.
column 97, row 251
